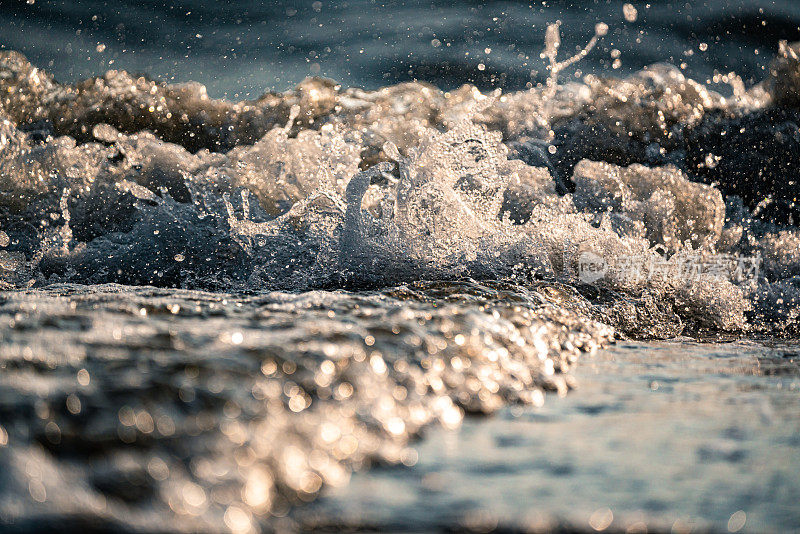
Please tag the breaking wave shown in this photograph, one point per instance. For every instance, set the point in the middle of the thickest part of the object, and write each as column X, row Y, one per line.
column 126, row 180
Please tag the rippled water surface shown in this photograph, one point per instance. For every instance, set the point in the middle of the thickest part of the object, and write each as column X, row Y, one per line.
column 672, row 436
column 240, row 48
column 152, row 409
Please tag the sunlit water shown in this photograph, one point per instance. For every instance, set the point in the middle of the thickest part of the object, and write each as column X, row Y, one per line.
column 191, row 411
column 215, row 312
column 187, row 410
column 661, row 437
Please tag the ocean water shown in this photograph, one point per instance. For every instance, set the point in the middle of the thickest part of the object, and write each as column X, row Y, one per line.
column 234, row 298
column 241, row 48
column 673, row 436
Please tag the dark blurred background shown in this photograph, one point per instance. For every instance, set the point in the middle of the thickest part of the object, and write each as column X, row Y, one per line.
column 242, row 48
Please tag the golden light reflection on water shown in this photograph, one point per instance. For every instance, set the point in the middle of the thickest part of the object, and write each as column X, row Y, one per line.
column 233, row 429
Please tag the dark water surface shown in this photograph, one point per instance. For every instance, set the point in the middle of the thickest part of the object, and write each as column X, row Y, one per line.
column 241, row 48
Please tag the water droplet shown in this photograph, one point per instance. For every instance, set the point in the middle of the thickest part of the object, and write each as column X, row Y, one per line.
column 630, row 12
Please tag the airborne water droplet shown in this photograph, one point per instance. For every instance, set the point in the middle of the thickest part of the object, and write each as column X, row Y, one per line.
column 630, row 12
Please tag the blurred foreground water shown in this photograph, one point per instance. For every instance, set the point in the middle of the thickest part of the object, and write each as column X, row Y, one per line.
column 240, row 48
column 149, row 409
column 672, row 436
